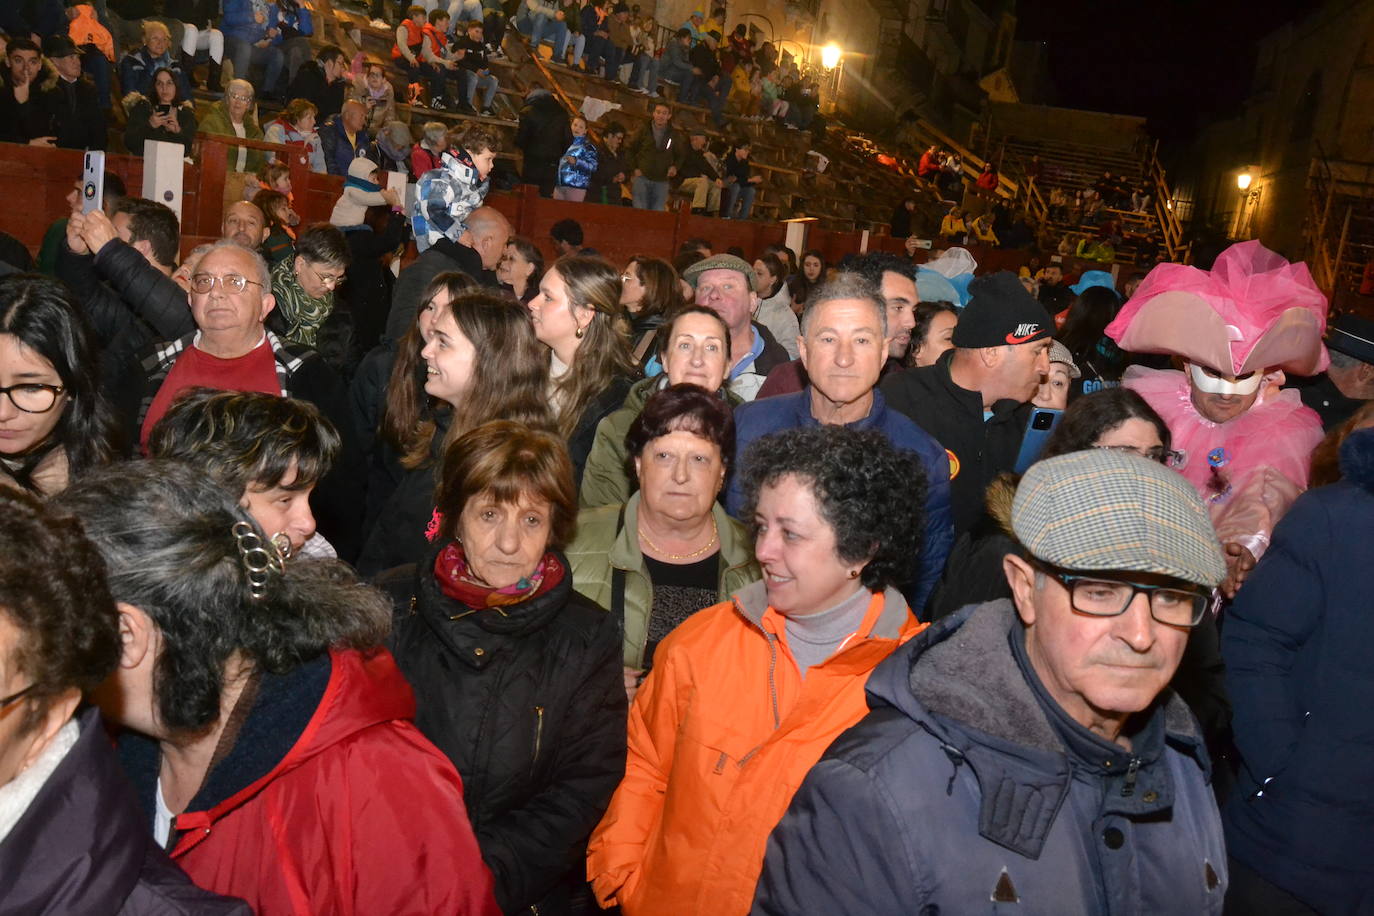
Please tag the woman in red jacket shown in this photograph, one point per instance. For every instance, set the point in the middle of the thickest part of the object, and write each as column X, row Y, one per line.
column 269, row 741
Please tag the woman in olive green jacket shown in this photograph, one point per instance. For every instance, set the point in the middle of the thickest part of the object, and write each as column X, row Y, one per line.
column 670, row 550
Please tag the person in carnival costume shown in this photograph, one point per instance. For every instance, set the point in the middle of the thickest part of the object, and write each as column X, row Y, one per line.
column 1237, row 329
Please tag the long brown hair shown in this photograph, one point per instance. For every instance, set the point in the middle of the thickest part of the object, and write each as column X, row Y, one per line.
column 604, row 353
column 661, row 290
column 1326, row 457
column 407, row 422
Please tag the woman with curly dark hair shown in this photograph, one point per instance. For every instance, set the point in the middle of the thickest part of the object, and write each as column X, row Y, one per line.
column 267, row 736
column 71, row 836
column 746, row 695
column 54, row 421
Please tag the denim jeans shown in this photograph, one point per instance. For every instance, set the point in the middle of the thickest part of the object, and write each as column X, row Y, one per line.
column 579, row 45
column 598, row 51
column 432, row 75
column 650, row 195
column 713, row 99
column 744, row 194
column 460, row 12
column 247, row 56
column 472, row 81
column 647, row 67
column 541, row 28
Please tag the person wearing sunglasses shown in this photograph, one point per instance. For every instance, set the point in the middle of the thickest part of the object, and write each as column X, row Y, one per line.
column 54, row 421
column 72, row 839
column 1039, row 732
column 232, row 349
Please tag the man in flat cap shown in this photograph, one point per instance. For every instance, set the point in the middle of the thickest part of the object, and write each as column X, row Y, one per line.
column 725, row 284
column 1349, row 382
column 975, row 400
column 1028, row 752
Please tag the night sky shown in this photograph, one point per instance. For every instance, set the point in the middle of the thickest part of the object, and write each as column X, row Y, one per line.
column 1180, row 64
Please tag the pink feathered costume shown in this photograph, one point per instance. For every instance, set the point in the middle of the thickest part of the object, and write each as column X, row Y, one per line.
column 1253, row 311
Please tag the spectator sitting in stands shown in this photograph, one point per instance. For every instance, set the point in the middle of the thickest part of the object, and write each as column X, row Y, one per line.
column 428, row 153
column 1140, row 199
column 273, row 176
column 233, row 116
column 322, row 82
column 476, row 70
column 929, row 166
column 899, row 226
column 567, row 238
column 378, row 96
column 415, row 50
column 693, row 26
column 295, row 126
column 1099, row 250
column 740, row 184
column 96, row 45
column 193, row 20
column 244, row 225
column 802, row 106
column 74, row 113
column 362, row 189
column 981, row 231
column 676, row 65
column 702, row 175
column 391, row 148
column 166, row 116
column 612, row 168
column 543, row 20
column 250, row 43
column 295, row 25
column 644, row 75
column 708, row 86
column 543, row 135
column 619, row 41
column 445, row 196
column 304, row 286
column 578, row 164
column 344, row 139
column 136, row 68
column 595, row 25
column 281, row 240
column 572, row 18
column 952, row 227
column 23, row 115
column 655, row 152
column 987, row 179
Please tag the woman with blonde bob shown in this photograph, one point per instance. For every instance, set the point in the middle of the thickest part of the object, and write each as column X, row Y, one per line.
column 480, row 361
column 516, row 675
column 578, row 316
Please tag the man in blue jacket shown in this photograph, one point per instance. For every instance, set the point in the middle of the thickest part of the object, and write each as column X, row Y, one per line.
column 844, row 343
column 1026, row 755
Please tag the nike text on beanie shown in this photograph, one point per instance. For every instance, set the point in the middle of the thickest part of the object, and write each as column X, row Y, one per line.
column 1001, row 312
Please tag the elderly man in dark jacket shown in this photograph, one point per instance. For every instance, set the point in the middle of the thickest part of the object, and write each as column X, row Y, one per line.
column 1296, row 645
column 1028, row 754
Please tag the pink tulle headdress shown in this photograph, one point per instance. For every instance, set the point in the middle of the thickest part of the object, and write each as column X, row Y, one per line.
column 1252, row 311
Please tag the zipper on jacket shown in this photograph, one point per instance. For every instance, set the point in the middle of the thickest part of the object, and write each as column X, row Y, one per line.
column 772, row 683
column 538, row 733
column 1128, row 789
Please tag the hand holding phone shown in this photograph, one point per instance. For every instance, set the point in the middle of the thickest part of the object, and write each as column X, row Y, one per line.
column 93, row 181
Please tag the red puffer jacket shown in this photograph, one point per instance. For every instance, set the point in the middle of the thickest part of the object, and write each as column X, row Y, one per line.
column 330, row 801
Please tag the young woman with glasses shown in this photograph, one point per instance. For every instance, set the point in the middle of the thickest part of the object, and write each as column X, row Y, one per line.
column 54, row 422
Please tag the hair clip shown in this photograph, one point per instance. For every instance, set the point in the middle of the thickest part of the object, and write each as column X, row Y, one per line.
column 260, row 558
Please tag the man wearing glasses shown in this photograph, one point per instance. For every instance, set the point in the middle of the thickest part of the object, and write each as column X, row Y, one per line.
column 232, row 349
column 1029, row 752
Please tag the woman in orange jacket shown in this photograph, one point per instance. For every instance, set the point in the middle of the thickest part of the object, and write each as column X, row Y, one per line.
column 745, row 696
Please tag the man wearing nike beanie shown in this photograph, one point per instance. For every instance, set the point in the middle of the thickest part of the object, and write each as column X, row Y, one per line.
column 975, row 400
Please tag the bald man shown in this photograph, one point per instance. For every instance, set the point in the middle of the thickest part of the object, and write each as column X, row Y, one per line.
column 476, row 253
column 244, row 224
column 344, row 138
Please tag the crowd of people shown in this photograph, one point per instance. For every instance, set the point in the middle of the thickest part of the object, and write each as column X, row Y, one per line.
column 680, row 587
column 489, row 582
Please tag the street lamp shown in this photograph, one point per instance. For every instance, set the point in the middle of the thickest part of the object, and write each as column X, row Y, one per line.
column 830, row 56
column 1244, row 179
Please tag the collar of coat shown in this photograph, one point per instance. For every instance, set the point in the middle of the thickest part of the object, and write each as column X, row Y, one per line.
column 752, row 603
column 960, row 682
column 1357, row 459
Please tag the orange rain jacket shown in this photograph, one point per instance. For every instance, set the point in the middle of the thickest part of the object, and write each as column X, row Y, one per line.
column 727, row 714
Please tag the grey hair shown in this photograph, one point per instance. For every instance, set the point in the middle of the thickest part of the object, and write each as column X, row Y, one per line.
column 172, row 538
column 845, row 285
column 259, row 262
column 434, row 131
column 398, row 132
column 242, row 84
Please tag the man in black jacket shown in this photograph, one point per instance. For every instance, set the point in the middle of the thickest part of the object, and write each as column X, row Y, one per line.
column 612, row 167
column 74, row 111
column 702, row 175
column 543, row 136
column 975, row 400
column 322, row 82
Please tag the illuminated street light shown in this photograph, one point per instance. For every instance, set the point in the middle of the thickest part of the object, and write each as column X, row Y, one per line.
column 1243, row 180
column 830, row 56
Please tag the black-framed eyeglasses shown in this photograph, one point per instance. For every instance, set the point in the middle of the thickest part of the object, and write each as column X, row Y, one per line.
column 232, row 283
column 1098, row 597
column 33, row 397
column 6, row 702
column 1165, row 456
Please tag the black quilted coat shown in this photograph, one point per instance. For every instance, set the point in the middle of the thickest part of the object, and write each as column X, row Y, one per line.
column 529, row 704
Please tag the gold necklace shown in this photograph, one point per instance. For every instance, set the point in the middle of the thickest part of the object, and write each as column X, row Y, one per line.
column 715, row 534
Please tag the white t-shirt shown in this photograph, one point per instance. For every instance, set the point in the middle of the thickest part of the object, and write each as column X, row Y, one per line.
column 241, row 165
column 162, row 818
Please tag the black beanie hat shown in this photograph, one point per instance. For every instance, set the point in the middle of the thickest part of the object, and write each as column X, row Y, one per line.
column 1000, row 311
